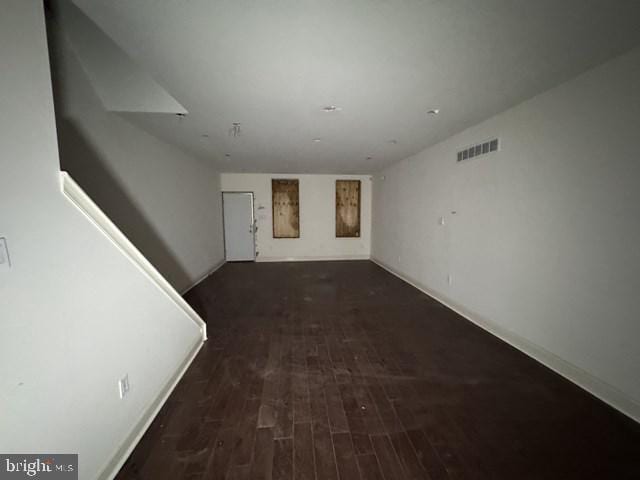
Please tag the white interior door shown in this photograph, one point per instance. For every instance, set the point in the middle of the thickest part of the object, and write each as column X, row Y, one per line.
column 239, row 235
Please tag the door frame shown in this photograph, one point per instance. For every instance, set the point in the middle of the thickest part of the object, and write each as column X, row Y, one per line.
column 253, row 224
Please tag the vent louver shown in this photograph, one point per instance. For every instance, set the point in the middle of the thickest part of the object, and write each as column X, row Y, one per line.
column 483, row 148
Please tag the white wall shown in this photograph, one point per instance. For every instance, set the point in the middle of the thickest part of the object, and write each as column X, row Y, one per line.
column 75, row 314
column 119, row 82
column 167, row 202
column 317, row 217
column 545, row 246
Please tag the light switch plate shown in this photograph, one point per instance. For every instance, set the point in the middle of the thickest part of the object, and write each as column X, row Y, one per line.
column 5, row 260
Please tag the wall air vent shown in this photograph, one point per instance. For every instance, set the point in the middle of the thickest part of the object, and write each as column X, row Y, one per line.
column 483, row 148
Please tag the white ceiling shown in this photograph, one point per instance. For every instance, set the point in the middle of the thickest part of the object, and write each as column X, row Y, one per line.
column 273, row 64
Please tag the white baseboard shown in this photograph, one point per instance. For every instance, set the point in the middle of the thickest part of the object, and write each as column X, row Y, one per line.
column 312, row 259
column 589, row 382
column 203, row 277
column 120, row 456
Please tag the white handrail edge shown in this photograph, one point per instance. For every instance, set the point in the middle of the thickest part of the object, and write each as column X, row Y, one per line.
column 102, row 222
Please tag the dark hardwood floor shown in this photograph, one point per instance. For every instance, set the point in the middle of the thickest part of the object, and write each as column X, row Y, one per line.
column 338, row 370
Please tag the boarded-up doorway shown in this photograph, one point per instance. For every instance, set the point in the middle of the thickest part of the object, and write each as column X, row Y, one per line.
column 286, row 208
column 347, row 208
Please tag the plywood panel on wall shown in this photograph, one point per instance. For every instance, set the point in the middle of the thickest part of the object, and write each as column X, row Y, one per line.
column 286, row 208
column 347, row 208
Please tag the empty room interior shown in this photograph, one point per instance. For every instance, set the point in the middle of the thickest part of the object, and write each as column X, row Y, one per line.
column 337, row 240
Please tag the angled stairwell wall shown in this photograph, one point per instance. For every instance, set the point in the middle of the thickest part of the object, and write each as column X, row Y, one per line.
column 76, row 313
column 165, row 200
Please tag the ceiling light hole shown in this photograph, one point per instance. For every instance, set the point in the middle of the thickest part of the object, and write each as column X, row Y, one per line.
column 331, row 108
column 433, row 111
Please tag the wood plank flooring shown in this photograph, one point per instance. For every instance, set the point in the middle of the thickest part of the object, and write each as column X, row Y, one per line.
column 340, row 371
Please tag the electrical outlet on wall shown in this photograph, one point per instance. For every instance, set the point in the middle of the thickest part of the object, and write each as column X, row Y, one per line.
column 123, row 385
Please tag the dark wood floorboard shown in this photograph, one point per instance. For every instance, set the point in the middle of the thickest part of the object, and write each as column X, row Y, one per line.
column 339, row 370
column 345, row 456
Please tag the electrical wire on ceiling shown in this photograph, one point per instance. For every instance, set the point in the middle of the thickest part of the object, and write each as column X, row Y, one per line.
column 235, row 130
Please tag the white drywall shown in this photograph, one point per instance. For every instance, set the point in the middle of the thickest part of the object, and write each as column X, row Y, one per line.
column 544, row 247
column 76, row 315
column 317, row 217
column 167, row 202
column 121, row 84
